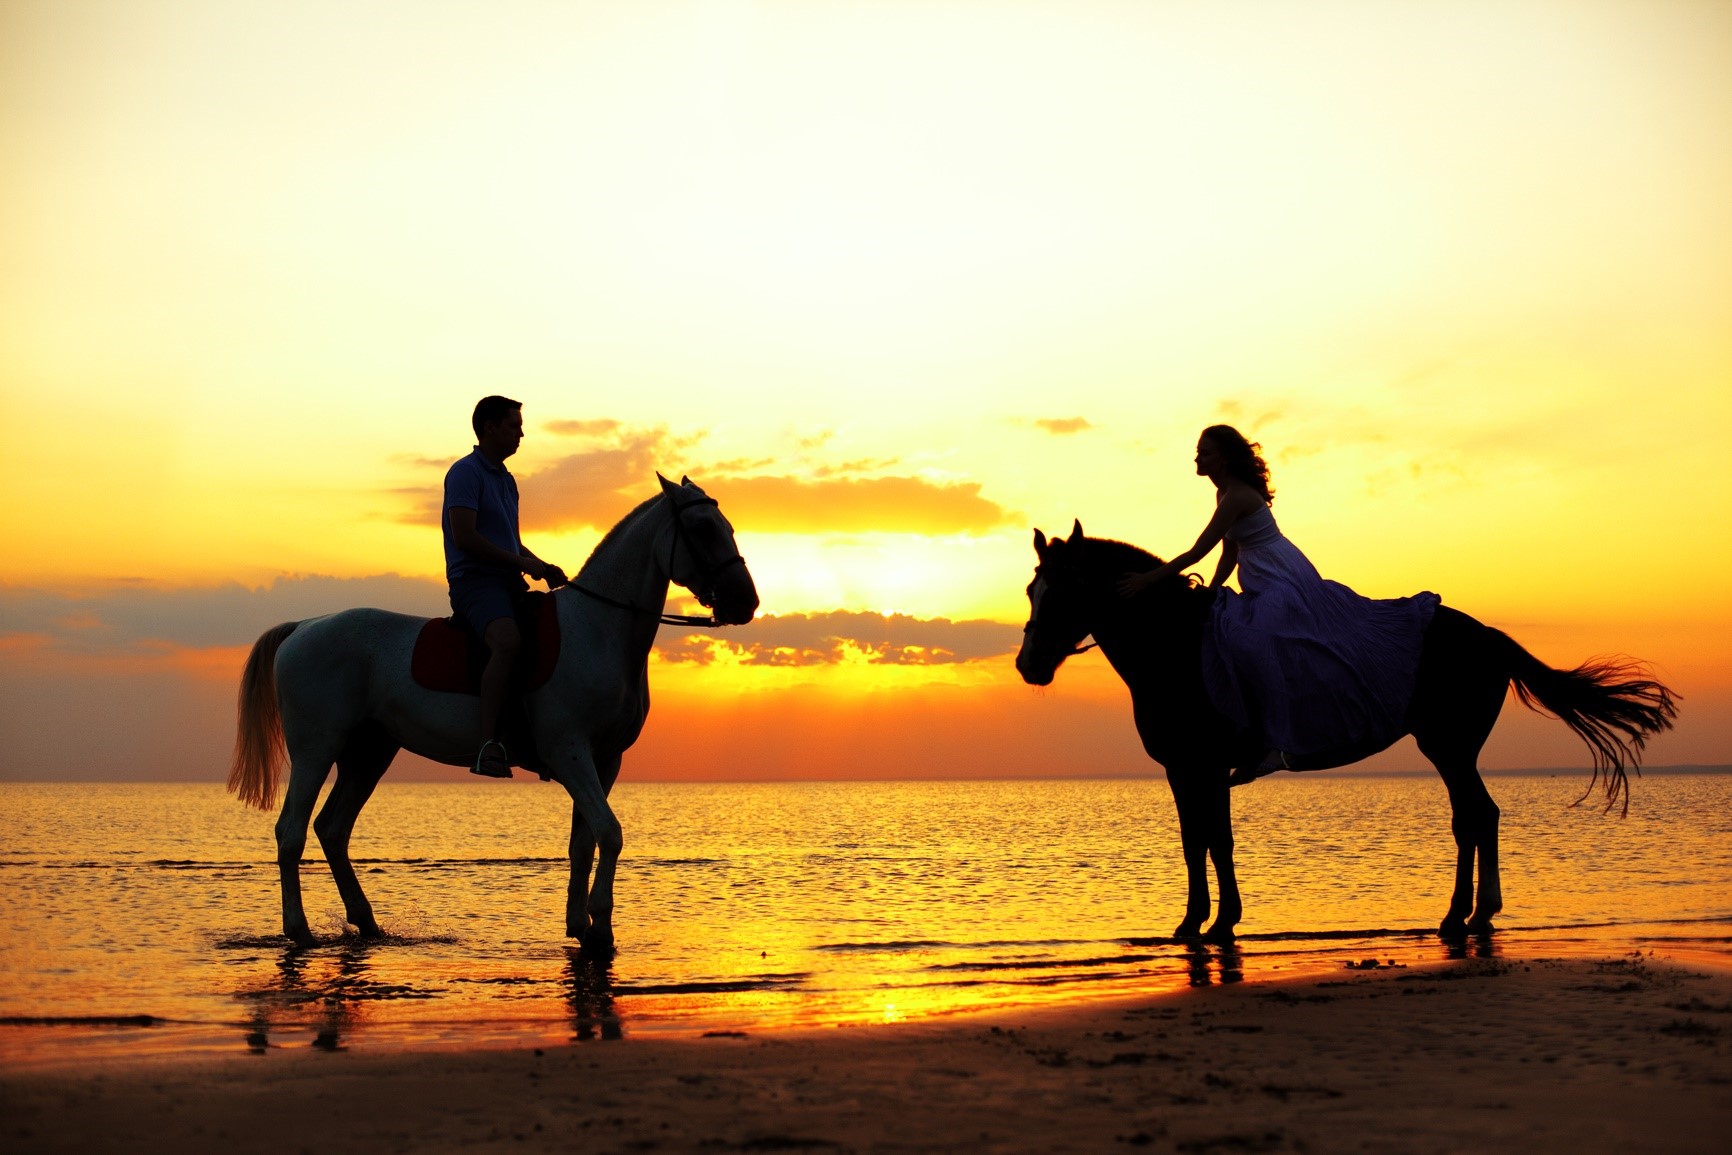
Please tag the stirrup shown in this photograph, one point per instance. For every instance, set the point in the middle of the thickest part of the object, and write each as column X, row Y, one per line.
column 481, row 759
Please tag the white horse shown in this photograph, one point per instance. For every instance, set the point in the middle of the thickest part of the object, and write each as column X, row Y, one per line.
column 338, row 689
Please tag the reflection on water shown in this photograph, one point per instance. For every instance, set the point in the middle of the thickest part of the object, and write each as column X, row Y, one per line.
column 590, row 987
column 751, row 906
column 1209, row 964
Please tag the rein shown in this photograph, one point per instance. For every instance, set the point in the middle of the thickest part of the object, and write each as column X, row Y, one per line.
column 1070, row 653
column 665, row 619
column 705, row 592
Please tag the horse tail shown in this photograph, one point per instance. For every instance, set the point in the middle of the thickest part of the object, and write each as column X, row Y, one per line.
column 1613, row 704
column 259, row 749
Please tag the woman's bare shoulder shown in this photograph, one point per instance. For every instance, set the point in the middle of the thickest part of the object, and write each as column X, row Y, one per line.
column 1239, row 499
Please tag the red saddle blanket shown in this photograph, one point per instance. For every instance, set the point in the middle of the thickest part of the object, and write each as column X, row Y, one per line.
column 448, row 657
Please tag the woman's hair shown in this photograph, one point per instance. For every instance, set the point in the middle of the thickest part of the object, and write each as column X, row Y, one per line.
column 1244, row 458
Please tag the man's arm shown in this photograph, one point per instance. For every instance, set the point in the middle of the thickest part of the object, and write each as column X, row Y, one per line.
column 470, row 541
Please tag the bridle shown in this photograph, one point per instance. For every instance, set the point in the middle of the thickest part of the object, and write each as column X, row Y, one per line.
column 705, row 590
column 1034, row 621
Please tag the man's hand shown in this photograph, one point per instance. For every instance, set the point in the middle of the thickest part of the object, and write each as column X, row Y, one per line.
column 553, row 576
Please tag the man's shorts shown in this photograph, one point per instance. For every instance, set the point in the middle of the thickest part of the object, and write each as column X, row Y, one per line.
column 479, row 602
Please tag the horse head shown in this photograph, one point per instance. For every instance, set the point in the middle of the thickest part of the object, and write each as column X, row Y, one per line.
column 703, row 557
column 1057, row 608
column 1074, row 594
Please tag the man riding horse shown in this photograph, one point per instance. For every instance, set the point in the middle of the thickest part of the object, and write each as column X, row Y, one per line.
column 485, row 560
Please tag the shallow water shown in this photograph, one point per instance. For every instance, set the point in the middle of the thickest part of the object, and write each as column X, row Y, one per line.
column 150, row 911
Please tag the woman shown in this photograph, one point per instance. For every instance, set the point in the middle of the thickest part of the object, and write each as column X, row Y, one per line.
column 1323, row 674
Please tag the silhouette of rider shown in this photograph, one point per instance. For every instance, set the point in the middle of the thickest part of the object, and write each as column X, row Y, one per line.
column 485, row 560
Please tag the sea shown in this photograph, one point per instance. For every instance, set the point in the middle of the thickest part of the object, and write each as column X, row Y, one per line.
column 142, row 919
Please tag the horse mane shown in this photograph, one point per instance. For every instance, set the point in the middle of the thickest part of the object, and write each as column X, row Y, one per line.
column 618, row 529
column 1107, row 558
column 1104, row 552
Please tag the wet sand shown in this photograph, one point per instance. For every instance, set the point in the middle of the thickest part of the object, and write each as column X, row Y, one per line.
column 1500, row 1055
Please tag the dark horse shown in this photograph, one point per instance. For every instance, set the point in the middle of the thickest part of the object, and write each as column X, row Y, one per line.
column 1155, row 643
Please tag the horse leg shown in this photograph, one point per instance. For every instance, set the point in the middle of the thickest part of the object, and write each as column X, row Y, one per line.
column 306, row 776
column 1453, row 747
column 359, row 769
column 582, row 850
column 1473, row 821
column 1457, row 697
column 575, row 769
column 1489, row 900
column 1464, row 829
column 1194, row 839
column 1218, row 808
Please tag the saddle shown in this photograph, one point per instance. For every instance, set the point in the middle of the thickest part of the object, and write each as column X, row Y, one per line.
column 450, row 658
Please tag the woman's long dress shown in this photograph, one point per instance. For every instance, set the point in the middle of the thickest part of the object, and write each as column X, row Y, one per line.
column 1320, row 672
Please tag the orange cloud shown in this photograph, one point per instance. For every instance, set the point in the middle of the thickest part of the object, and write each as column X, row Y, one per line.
column 596, row 428
column 855, row 505
column 1062, row 425
column 600, row 484
column 828, row 639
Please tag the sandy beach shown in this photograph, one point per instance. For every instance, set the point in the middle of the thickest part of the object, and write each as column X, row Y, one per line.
column 1499, row 1054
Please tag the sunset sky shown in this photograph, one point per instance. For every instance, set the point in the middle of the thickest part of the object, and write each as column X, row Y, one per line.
column 897, row 283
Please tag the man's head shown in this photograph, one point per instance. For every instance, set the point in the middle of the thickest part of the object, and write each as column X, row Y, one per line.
column 498, row 423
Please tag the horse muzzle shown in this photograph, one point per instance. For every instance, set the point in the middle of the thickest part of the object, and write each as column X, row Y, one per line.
column 1034, row 671
column 735, row 597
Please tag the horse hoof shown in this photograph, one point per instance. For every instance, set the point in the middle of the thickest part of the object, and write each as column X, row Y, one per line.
column 1220, row 933
column 301, row 939
column 1479, row 926
column 597, row 940
column 1452, row 928
column 1189, row 929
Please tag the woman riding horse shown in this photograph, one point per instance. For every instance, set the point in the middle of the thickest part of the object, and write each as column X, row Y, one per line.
column 1319, row 672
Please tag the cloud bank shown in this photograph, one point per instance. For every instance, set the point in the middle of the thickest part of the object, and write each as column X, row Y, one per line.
column 133, row 620
column 614, row 468
column 828, row 639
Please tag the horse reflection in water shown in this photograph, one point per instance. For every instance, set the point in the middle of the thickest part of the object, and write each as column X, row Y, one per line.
column 328, row 993
column 302, row 997
column 338, row 689
column 589, row 990
column 1213, row 964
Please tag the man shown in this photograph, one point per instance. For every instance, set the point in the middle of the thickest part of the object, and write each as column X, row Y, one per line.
column 485, row 560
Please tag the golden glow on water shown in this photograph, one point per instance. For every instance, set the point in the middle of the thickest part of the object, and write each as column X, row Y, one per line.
column 792, row 906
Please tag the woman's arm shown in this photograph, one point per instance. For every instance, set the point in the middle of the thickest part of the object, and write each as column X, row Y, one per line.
column 1232, row 506
column 1229, row 561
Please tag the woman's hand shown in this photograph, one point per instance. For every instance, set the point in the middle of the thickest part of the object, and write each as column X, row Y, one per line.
column 1132, row 584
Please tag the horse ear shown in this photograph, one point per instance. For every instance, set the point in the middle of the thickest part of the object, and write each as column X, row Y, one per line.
column 684, row 481
column 667, row 486
column 1076, row 533
column 1039, row 542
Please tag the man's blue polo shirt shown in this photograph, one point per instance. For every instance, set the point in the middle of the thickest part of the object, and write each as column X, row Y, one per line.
column 476, row 483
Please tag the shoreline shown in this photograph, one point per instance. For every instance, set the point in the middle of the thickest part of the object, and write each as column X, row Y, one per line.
column 1501, row 1053
column 373, row 1019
